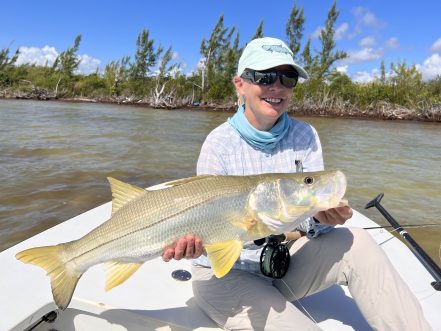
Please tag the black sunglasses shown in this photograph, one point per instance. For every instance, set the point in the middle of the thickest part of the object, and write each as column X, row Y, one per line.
column 287, row 78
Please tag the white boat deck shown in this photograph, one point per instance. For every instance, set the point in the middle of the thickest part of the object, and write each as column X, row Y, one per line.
column 152, row 300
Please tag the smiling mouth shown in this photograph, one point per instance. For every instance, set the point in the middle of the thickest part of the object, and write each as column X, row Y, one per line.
column 273, row 101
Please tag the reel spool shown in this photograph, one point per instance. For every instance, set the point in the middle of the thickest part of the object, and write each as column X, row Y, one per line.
column 274, row 259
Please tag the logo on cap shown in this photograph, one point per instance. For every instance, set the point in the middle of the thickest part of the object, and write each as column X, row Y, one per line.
column 276, row 48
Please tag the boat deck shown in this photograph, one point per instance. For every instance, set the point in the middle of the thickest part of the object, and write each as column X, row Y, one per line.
column 152, row 300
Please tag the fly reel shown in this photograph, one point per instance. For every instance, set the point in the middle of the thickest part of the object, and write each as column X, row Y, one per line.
column 274, row 259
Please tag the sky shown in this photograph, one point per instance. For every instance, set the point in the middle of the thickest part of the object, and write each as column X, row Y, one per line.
column 369, row 31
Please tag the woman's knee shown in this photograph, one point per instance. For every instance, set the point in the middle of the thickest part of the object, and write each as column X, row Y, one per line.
column 365, row 252
column 362, row 241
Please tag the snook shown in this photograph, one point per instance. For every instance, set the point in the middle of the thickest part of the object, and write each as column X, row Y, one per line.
column 225, row 211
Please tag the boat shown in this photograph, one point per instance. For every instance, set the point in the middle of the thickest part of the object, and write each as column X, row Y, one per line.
column 159, row 295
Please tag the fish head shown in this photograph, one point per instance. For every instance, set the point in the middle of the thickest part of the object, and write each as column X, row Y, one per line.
column 311, row 192
column 281, row 199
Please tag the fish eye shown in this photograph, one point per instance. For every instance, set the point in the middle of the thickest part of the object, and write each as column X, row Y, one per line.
column 308, row 180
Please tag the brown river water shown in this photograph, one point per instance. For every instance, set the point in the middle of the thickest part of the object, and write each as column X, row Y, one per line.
column 55, row 157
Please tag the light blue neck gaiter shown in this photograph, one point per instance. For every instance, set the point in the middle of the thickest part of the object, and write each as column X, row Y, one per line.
column 262, row 140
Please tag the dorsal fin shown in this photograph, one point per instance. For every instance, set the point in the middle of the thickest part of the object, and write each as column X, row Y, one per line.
column 183, row 181
column 123, row 193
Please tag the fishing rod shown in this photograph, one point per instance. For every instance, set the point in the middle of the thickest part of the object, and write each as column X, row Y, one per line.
column 425, row 259
column 404, row 225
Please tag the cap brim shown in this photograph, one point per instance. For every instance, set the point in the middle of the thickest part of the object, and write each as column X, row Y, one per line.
column 302, row 72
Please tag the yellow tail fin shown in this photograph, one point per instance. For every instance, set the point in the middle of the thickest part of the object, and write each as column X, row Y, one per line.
column 63, row 280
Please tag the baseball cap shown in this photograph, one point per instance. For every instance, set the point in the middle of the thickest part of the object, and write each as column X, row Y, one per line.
column 265, row 53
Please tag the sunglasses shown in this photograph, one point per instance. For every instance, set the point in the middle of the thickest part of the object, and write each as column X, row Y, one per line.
column 287, row 78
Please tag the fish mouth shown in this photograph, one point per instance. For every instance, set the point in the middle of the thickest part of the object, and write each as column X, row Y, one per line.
column 330, row 195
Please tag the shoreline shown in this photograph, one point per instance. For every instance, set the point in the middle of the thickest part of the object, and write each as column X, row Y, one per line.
column 384, row 110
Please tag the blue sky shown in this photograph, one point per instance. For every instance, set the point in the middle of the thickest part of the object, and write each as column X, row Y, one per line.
column 368, row 31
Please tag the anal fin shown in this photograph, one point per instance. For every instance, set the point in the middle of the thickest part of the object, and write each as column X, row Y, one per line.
column 118, row 272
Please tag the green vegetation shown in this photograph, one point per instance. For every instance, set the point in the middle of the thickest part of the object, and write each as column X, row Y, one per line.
column 152, row 77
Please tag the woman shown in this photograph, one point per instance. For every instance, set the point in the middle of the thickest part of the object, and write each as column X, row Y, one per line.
column 261, row 138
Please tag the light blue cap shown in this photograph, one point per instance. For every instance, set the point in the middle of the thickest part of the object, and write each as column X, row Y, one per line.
column 266, row 53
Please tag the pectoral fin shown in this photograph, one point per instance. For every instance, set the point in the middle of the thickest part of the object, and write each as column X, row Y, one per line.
column 118, row 273
column 223, row 255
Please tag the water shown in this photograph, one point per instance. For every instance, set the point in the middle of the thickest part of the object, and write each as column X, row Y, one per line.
column 55, row 157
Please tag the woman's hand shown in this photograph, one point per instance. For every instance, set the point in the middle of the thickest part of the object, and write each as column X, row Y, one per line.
column 334, row 216
column 189, row 247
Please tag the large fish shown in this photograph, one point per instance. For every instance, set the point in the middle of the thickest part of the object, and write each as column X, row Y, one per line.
column 225, row 211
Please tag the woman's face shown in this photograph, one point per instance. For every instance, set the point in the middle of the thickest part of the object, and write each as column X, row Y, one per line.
column 264, row 104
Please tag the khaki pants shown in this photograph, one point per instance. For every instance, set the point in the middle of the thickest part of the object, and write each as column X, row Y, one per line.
column 244, row 301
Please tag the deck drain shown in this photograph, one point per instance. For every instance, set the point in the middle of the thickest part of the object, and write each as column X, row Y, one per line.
column 181, row 274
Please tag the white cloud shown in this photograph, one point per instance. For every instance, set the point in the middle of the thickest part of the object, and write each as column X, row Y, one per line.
column 363, row 55
column 364, row 76
column 341, row 31
column 431, row 67
column 39, row 56
column 392, row 43
column 436, row 47
column 200, row 66
column 317, row 32
column 367, row 42
column 47, row 55
column 342, row 69
column 88, row 64
column 365, row 18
